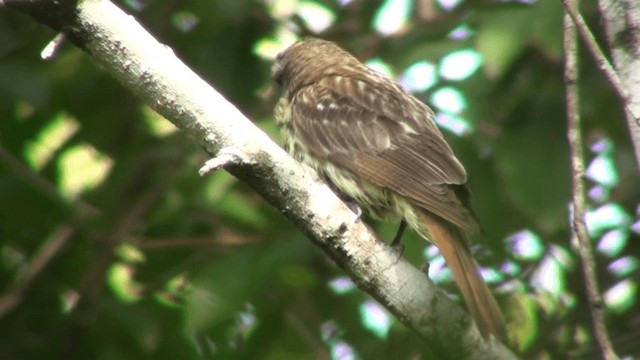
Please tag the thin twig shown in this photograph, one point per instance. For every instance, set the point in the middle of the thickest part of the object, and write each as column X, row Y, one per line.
column 53, row 244
column 577, row 167
column 93, row 283
column 45, row 254
column 52, row 48
column 621, row 21
column 306, row 335
column 601, row 60
column 80, row 208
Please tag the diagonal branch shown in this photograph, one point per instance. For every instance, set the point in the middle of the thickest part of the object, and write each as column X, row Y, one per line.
column 151, row 71
column 596, row 52
column 630, row 99
column 621, row 19
column 577, row 168
column 47, row 252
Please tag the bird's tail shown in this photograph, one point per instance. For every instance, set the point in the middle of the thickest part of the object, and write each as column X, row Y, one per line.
column 453, row 247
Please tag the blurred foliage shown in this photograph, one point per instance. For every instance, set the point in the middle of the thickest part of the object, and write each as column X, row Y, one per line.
column 111, row 245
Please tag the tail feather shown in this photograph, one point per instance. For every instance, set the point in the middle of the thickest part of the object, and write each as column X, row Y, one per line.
column 452, row 245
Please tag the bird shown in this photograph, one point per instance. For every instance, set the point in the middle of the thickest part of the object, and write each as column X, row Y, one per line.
column 378, row 146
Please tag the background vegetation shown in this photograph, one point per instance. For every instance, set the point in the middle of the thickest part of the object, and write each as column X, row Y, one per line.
column 111, row 245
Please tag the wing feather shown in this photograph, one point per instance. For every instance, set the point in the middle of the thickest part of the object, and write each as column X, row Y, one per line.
column 388, row 140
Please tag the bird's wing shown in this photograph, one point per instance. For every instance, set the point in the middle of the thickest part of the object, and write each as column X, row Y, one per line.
column 384, row 137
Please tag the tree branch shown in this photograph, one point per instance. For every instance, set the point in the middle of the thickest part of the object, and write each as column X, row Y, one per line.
column 49, row 249
column 627, row 86
column 577, row 168
column 151, row 71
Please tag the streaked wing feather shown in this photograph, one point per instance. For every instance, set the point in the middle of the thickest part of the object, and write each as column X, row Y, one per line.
column 364, row 137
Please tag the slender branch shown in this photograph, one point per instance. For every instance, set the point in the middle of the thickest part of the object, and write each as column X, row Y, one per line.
column 599, row 56
column 577, row 167
column 92, row 284
column 80, row 208
column 621, row 19
column 632, row 108
column 151, row 71
column 42, row 257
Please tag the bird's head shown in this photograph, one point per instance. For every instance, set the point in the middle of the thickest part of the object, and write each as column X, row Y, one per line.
column 307, row 61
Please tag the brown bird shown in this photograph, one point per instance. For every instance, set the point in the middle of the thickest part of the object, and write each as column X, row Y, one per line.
column 379, row 146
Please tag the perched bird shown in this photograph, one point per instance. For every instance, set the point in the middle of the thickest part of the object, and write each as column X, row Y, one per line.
column 379, row 147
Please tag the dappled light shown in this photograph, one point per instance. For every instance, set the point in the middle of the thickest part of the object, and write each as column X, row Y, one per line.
column 112, row 245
